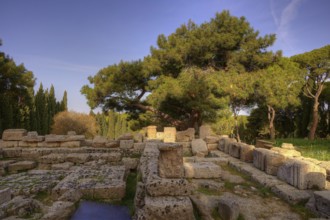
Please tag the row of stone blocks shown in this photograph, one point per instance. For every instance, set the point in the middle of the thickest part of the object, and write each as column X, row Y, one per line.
column 286, row 164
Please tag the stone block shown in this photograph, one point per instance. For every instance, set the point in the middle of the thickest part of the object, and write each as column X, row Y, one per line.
column 5, row 195
column 202, row 170
column 70, row 144
column 12, row 152
column 246, row 153
column 8, row 144
column 108, row 192
column 62, row 166
column 235, row 149
column 49, row 144
column 211, row 147
column 168, row 187
column 54, row 138
column 273, row 161
column 27, row 144
column 228, row 208
column 198, row 146
column 60, row 210
column 287, row 146
column 212, row 139
column 111, row 157
column 186, row 135
column 138, row 137
column 169, row 134
column 78, row 158
column 259, row 158
column 170, row 162
column 160, row 136
column 33, row 137
column 130, row 163
column 204, row 131
column 53, row 158
column 13, row 134
column 152, row 132
column 31, row 154
column 264, row 144
column 224, row 144
column 164, row 208
column 126, row 136
column 322, row 202
column 99, row 141
column 112, row 144
column 290, row 194
column 286, row 152
column 326, row 166
column 302, row 174
column 126, row 144
column 139, row 146
column 21, row 165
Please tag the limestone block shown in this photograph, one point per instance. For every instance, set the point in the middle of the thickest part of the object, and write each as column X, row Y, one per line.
column 54, row 138
column 211, row 147
column 216, row 160
column 287, row 146
column 33, row 137
column 21, row 165
column 60, row 210
column 126, row 144
column 164, row 208
column 273, row 161
column 235, row 149
column 326, row 166
column 186, row 135
column 246, row 153
column 287, row 152
column 111, row 157
column 31, row 154
column 228, row 209
column 160, row 135
column 130, row 163
column 112, row 144
column 211, row 139
column 290, row 194
column 71, row 133
column 263, row 144
column 199, row 146
column 139, row 146
column 12, row 152
column 201, row 170
column 5, row 195
column 26, row 144
column 151, row 132
column 322, row 202
column 78, row 158
column 204, row 131
column 99, row 141
column 49, row 144
column 259, row 158
column 53, row 158
column 7, row 144
column 170, row 162
column 138, row 137
column 62, row 166
column 168, row 187
column 13, row 134
column 224, row 144
column 302, row 174
column 70, row 144
column 169, row 134
column 126, row 136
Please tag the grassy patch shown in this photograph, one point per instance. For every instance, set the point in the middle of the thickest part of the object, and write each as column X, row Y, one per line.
column 318, row 149
column 302, row 211
column 197, row 215
column 215, row 214
column 234, row 171
column 128, row 200
column 208, row 191
column 44, row 197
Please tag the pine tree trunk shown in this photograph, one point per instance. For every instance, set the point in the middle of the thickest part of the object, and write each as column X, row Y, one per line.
column 315, row 119
column 271, row 117
column 237, row 128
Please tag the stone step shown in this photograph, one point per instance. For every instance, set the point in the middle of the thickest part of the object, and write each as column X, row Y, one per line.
column 21, row 166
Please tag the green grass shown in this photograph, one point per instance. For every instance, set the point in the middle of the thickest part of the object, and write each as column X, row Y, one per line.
column 318, row 149
column 208, row 191
column 215, row 214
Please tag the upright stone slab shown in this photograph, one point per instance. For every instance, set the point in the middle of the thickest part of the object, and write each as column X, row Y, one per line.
column 322, row 202
column 246, row 153
column 13, row 134
column 199, row 147
column 204, row 131
column 186, row 135
column 5, row 195
column 235, row 149
column 170, row 161
column 169, row 134
column 259, row 158
column 273, row 161
column 126, row 144
column 302, row 174
column 152, row 132
column 224, row 143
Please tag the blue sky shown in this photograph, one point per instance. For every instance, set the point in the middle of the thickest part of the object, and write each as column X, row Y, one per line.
column 65, row 41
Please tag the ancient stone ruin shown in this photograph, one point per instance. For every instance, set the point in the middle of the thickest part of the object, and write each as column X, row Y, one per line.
column 181, row 175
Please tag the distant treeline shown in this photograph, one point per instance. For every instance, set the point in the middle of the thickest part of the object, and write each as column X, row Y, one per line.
column 20, row 106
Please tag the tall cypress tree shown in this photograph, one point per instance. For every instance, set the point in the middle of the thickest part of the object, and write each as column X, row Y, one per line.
column 51, row 106
column 111, row 124
column 64, row 102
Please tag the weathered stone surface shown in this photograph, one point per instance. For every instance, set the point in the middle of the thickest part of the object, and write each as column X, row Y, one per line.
column 302, row 174
column 9, row 144
column 71, row 133
column 204, row 205
column 199, row 146
column 21, row 165
column 20, row 206
column 160, row 136
column 78, row 158
column 49, row 144
column 139, row 146
column 169, row 134
column 186, row 135
column 259, row 158
column 273, row 161
column 26, row 144
column 112, row 144
column 287, row 146
column 32, row 136
column 59, row 210
column 206, row 170
column 168, row 187
column 228, row 209
column 5, row 195
column 130, row 163
column 164, row 208
column 71, row 196
column 224, row 144
column 211, row 147
column 286, row 152
column 99, row 141
column 170, row 162
column 326, row 166
column 138, row 137
column 291, row 194
column 126, row 136
column 13, row 134
column 53, row 158
column 152, row 132
column 216, row 160
column 70, row 144
column 126, row 144
column 204, row 131
column 246, row 153
column 62, row 166
column 322, row 202
column 212, row 139
column 235, row 149
column 263, row 144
